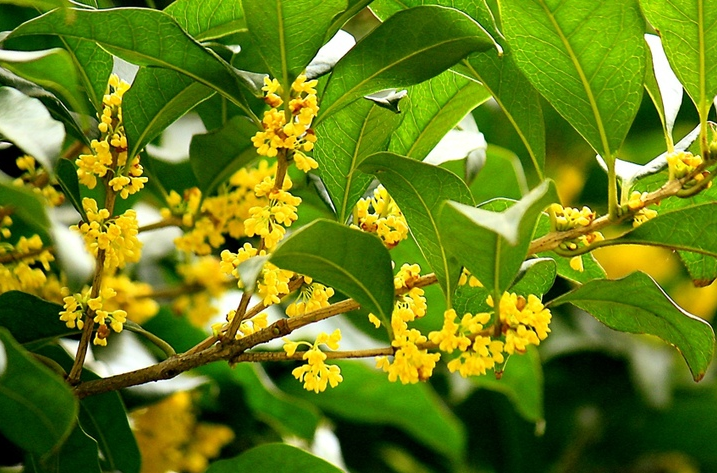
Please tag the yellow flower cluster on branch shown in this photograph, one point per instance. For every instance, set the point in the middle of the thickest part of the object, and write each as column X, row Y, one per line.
column 316, row 374
column 37, row 178
column 568, row 218
column 78, row 304
column 379, row 214
column 312, row 296
column 683, row 163
column 637, row 205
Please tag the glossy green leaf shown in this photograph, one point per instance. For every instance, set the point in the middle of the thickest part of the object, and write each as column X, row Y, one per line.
column 637, row 304
column 94, row 66
column 420, row 190
column 43, row 326
column 336, row 256
column 66, row 174
column 177, row 176
column 215, row 156
column 157, row 98
column 37, row 420
column 51, row 69
column 595, row 84
column 343, row 141
column 493, row 245
column 274, row 457
column 208, row 19
column 536, row 277
column 78, row 453
column 26, row 122
column 521, row 382
column 144, row 39
column 289, row 34
column 43, row 5
column 690, row 42
column 516, row 96
column 501, row 175
column 367, row 396
column 437, row 106
column 690, row 229
column 26, row 206
column 432, row 40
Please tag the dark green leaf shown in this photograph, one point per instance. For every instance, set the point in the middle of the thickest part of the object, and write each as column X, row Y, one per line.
column 36, row 419
column 42, row 326
column 157, row 98
column 274, row 457
column 367, row 396
column 215, row 156
column 637, row 304
column 26, row 122
column 493, row 245
column 67, row 178
column 148, row 38
column 78, row 453
column 177, row 176
column 343, row 141
column 289, row 34
column 690, row 42
column 336, row 255
column 420, row 190
column 437, row 105
column 554, row 44
column 94, row 66
column 432, row 40
column 690, row 229
column 26, row 206
column 207, row 20
column 536, row 277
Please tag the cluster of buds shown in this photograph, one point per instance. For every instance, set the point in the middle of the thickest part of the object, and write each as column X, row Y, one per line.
column 681, row 164
column 568, row 218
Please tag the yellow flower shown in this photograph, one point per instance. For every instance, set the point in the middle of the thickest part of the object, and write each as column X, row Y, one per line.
column 316, row 374
column 380, row 214
column 312, row 296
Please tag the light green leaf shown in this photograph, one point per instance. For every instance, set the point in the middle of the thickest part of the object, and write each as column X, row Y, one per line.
column 637, row 304
column 689, row 228
column 436, row 107
column 157, row 98
column 690, row 42
column 501, row 175
column 26, row 206
column 274, row 457
column 94, row 66
column 51, row 69
column 207, row 19
column 42, row 5
column 432, row 40
column 367, row 396
column 586, row 58
column 536, row 277
column 493, row 245
column 343, row 141
column 420, row 190
column 37, row 420
column 336, row 255
column 288, row 33
column 26, row 122
column 148, row 38
column 215, row 156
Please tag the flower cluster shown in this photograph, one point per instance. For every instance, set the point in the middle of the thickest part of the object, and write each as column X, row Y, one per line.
column 269, row 221
column 207, row 282
column 568, row 218
column 681, row 164
column 411, row 363
column 78, row 304
column 312, row 296
column 131, row 296
column 316, row 374
column 109, row 153
column 116, row 236
column 289, row 130
column 379, row 214
column 36, row 178
column 19, row 261
column 523, row 321
column 246, row 327
column 641, row 213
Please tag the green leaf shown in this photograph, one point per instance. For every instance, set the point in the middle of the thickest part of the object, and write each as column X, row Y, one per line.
column 94, row 66
column 595, row 85
column 516, row 96
column 500, row 176
column 420, row 190
column 289, row 34
column 43, row 326
column 437, row 106
column 521, row 382
column 690, row 42
column 343, row 141
column 432, row 40
column 493, row 245
column 43, row 5
column 536, row 277
column 26, row 206
column 367, row 396
column 702, row 268
column 51, row 69
column 35, row 419
column 78, row 453
column 337, row 256
column 208, row 19
column 66, row 174
column 147, row 38
column 274, row 457
column 26, row 122
column 157, row 98
column 689, row 228
column 637, row 304
column 215, row 156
